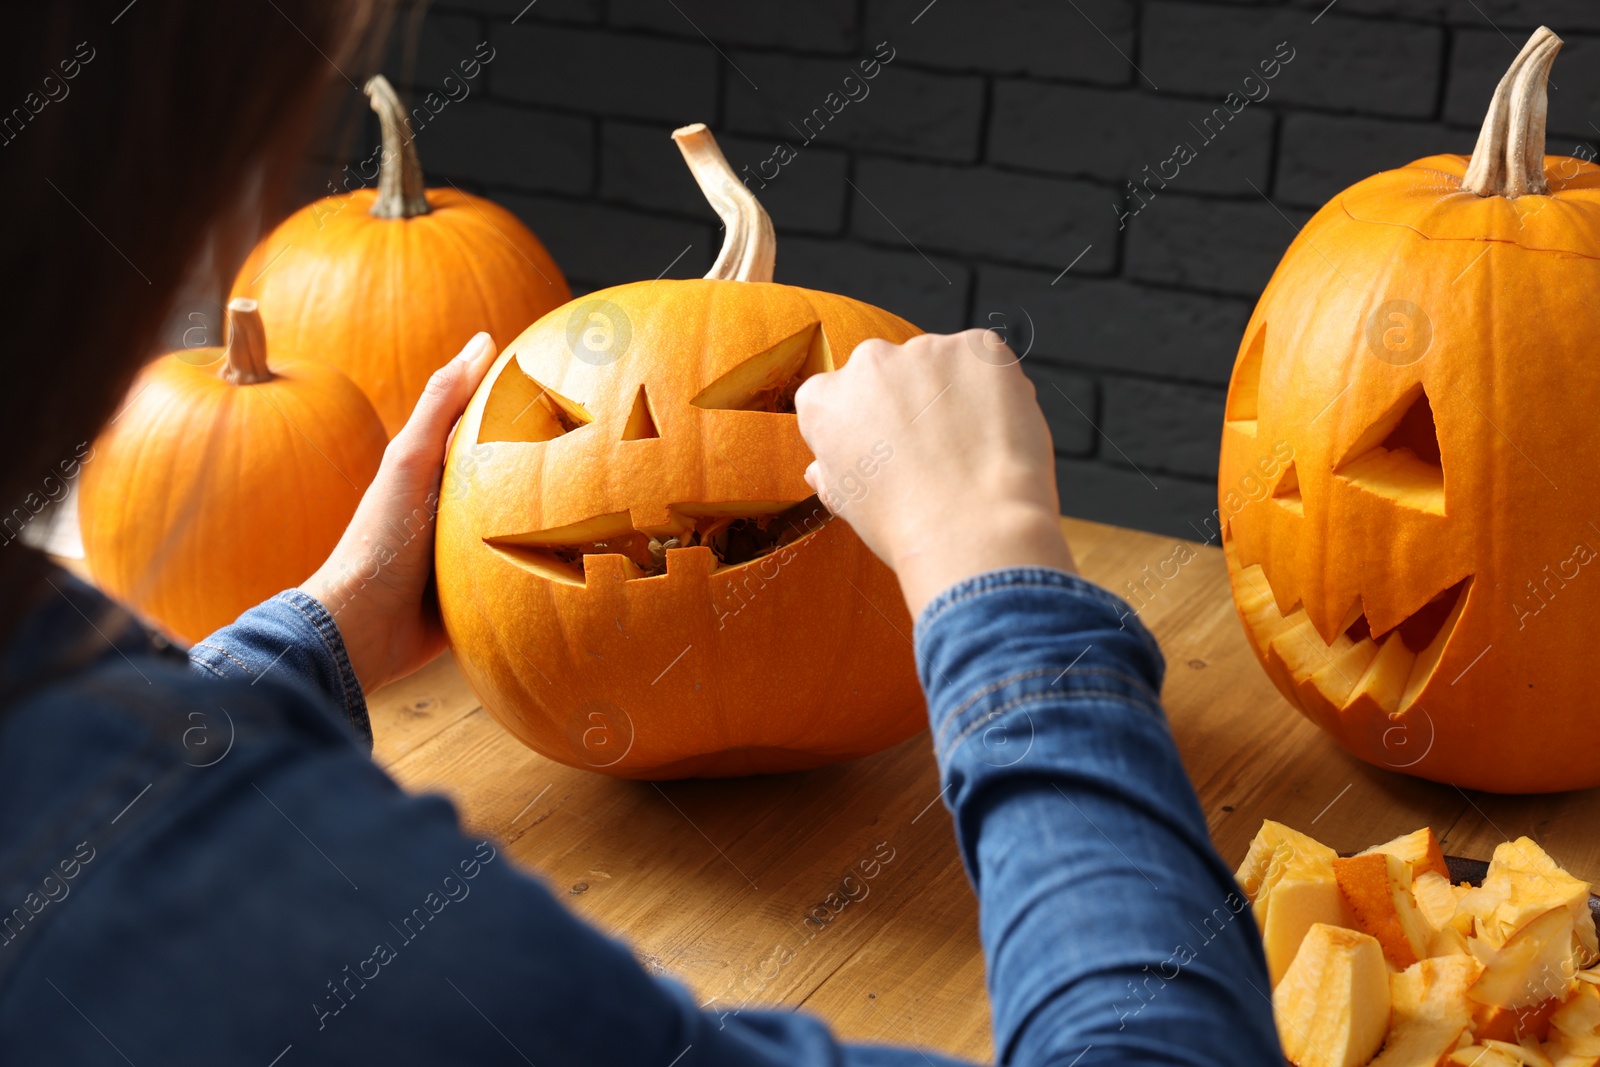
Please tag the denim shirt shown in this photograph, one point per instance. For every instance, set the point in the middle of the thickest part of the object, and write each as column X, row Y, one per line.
column 199, row 863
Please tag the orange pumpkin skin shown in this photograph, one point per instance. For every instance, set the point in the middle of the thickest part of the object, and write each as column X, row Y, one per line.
column 390, row 300
column 1337, row 518
column 205, row 498
column 789, row 661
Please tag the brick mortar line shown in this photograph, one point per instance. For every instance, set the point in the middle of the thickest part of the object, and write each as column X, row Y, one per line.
column 1444, row 21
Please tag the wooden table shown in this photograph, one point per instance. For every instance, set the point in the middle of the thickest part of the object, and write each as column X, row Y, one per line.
column 711, row 881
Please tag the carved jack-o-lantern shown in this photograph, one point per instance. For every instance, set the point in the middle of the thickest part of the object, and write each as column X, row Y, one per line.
column 632, row 571
column 1416, row 400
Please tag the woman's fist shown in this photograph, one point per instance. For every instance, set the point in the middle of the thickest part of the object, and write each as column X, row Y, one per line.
column 936, row 453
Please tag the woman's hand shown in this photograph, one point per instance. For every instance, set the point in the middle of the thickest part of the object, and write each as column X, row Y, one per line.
column 376, row 584
column 936, row 453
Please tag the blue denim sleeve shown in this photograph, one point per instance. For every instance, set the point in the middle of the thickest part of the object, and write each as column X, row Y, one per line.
column 1112, row 930
column 293, row 638
column 287, row 903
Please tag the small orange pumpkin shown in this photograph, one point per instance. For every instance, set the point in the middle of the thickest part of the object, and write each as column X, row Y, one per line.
column 1410, row 476
column 632, row 571
column 387, row 285
column 222, row 482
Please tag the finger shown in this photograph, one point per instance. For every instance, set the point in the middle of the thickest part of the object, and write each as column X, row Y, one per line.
column 810, row 402
column 423, row 436
column 991, row 348
column 811, row 391
column 814, row 476
column 478, row 371
column 872, row 348
column 819, row 484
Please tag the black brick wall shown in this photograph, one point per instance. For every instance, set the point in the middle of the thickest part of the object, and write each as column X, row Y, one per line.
column 991, row 154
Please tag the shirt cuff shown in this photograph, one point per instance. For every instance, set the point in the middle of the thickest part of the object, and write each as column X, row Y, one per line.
column 1004, row 638
column 292, row 636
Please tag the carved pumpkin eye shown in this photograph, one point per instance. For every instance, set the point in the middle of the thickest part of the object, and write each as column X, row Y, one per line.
column 1398, row 456
column 523, row 409
column 767, row 381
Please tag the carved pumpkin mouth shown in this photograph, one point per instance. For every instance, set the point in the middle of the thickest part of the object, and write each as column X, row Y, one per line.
column 735, row 534
column 1391, row 668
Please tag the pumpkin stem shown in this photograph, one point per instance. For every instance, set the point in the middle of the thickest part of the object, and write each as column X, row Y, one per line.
column 749, row 245
column 1509, row 158
column 246, row 354
column 401, row 192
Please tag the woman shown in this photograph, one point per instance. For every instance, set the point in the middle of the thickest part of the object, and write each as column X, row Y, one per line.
column 157, row 905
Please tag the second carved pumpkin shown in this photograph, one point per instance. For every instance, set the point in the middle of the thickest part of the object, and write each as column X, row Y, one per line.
column 1410, row 475
column 387, row 285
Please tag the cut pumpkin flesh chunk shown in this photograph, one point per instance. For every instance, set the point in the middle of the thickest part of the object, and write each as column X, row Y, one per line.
column 1528, row 1053
column 1288, row 877
column 1533, row 966
column 1559, row 1057
column 1429, row 1011
column 1376, row 888
column 1578, row 1021
column 1480, row 1056
column 1439, row 904
column 1333, row 1005
column 1421, row 851
column 1276, row 851
column 1450, row 942
column 1522, row 883
column 1297, row 905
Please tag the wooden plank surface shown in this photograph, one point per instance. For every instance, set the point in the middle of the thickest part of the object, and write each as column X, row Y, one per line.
column 713, row 881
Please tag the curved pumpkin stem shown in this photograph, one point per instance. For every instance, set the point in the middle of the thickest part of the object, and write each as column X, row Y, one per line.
column 1509, row 157
column 749, row 246
column 401, row 192
column 246, row 354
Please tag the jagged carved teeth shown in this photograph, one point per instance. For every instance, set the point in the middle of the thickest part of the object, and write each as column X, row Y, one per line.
column 734, row 533
column 1391, row 668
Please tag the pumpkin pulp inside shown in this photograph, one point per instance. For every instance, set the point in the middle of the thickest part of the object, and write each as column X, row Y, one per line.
column 733, row 539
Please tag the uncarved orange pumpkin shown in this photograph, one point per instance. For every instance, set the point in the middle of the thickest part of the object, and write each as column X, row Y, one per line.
column 387, row 285
column 1410, row 477
column 631, row 569
column 222, row 481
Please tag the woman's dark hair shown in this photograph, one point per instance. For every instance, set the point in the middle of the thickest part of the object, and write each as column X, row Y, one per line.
column 139, row 141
